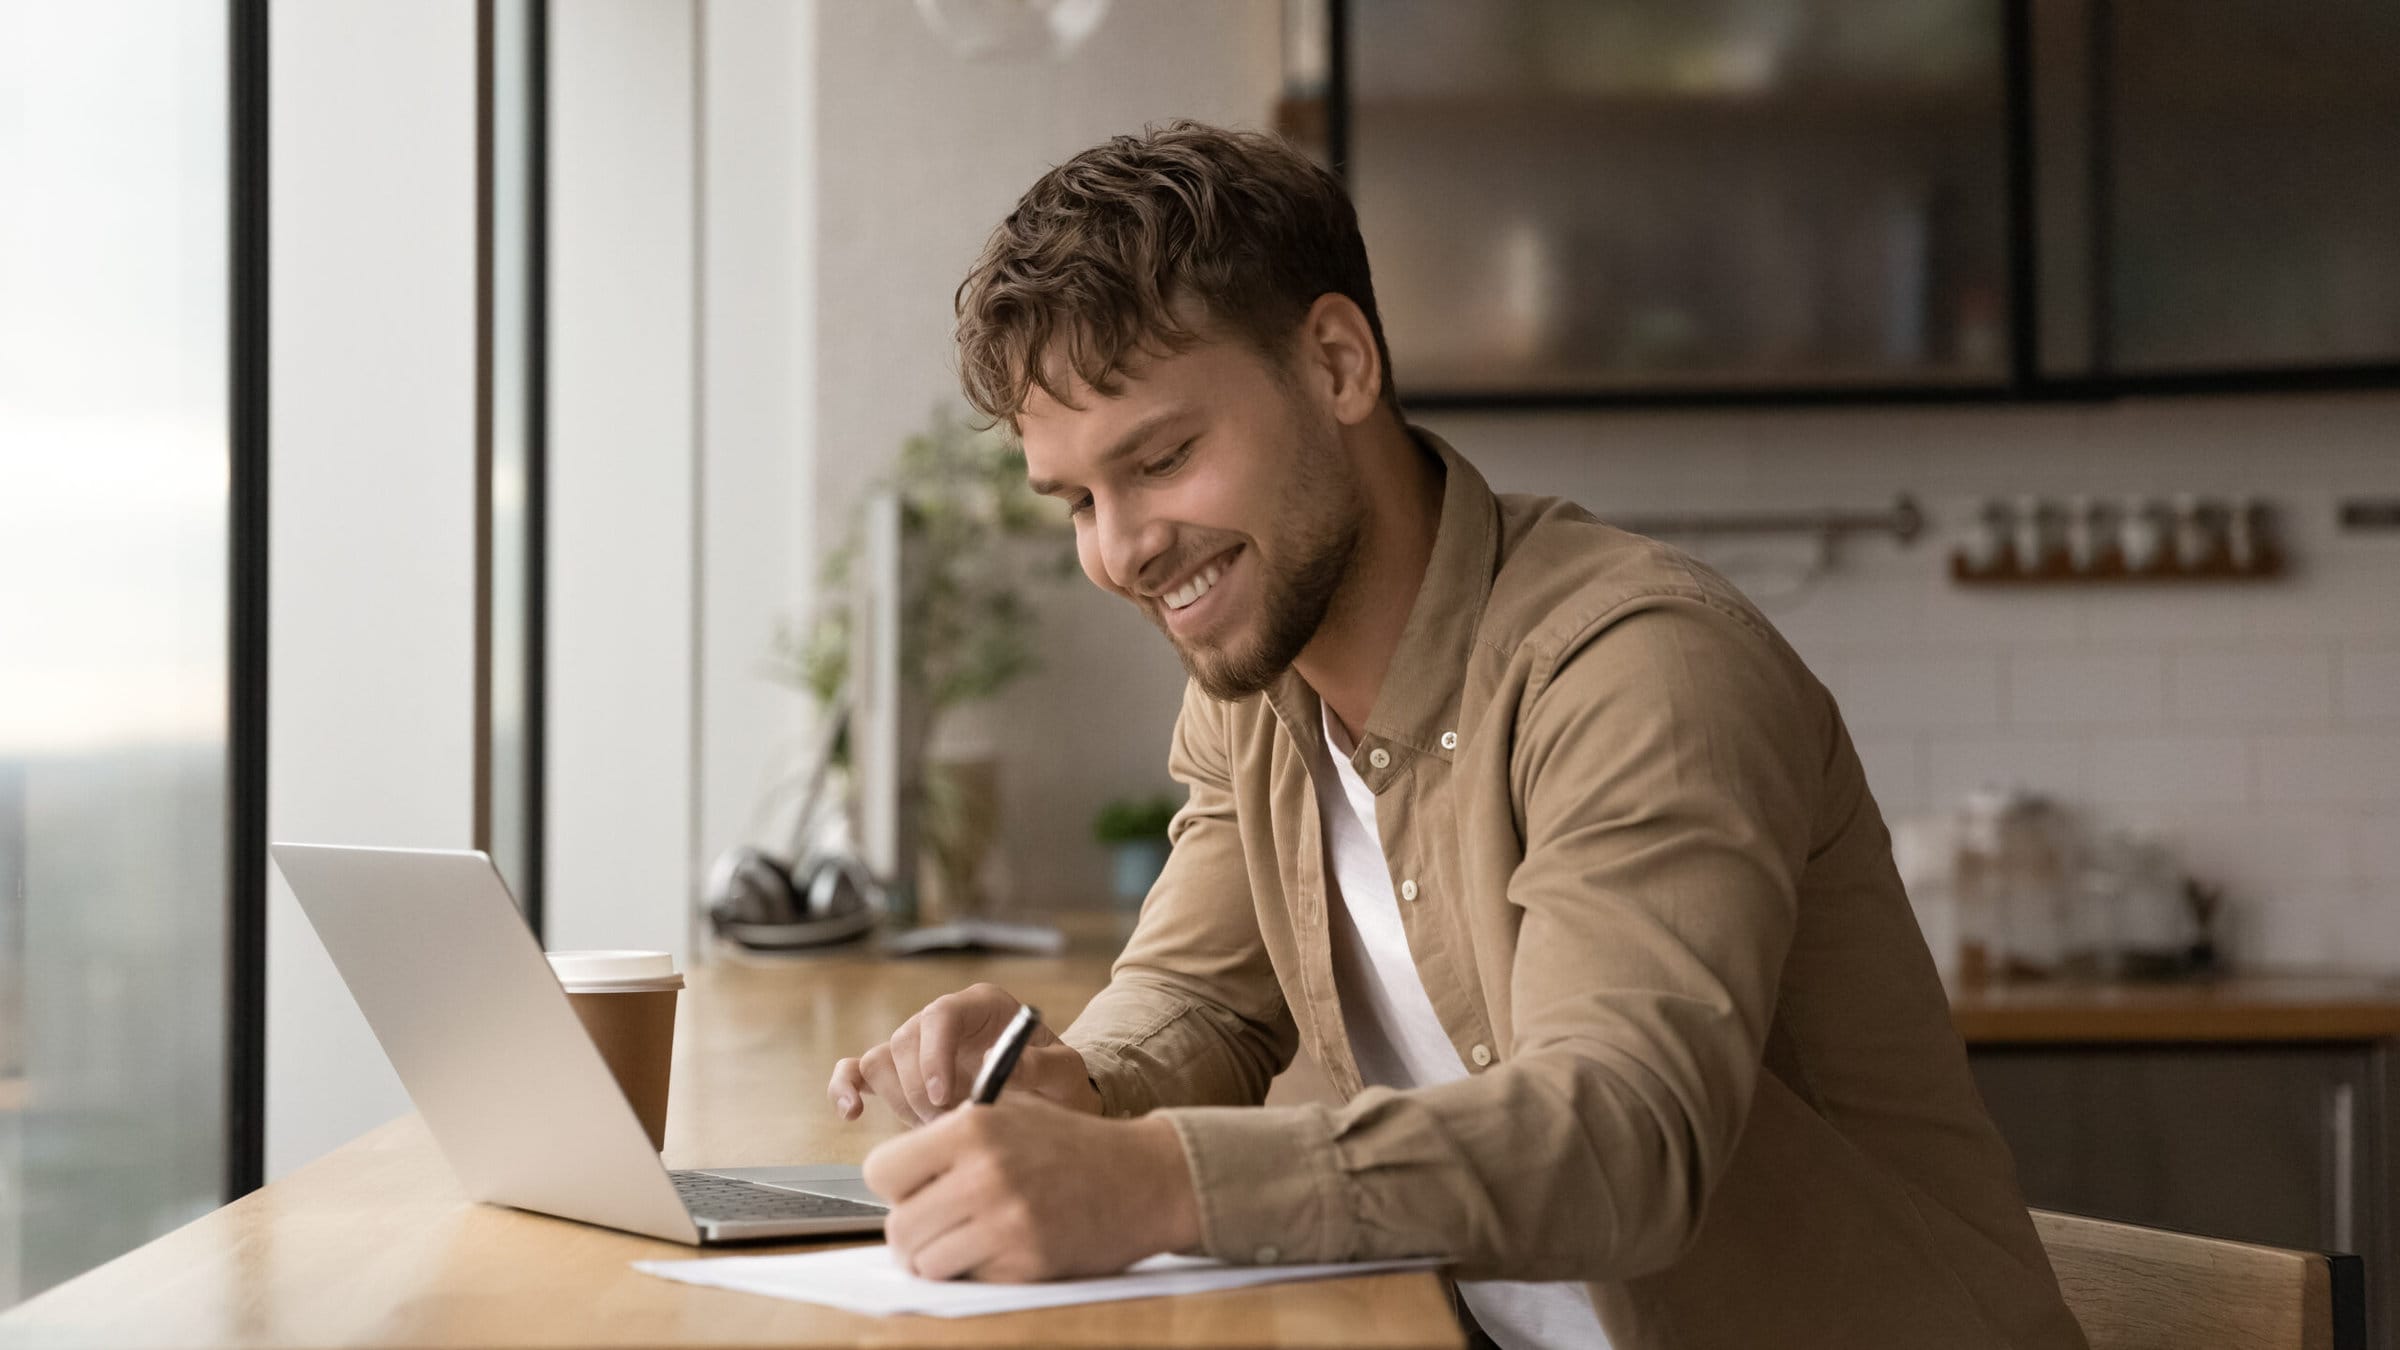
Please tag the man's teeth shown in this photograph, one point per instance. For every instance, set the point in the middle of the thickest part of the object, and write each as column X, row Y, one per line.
column 1196, row 587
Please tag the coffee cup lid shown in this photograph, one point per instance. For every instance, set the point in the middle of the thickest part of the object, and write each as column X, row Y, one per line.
column 616, row 969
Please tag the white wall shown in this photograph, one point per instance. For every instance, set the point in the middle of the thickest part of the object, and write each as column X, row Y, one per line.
column 372, row 428
column 2255, row 727
column 921, row 154
column 758, row 399
column 620, row 772
column 849, row 168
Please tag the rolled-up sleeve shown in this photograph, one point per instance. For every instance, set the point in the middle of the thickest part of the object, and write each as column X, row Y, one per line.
column 1192, row 1014
column 1664, row 762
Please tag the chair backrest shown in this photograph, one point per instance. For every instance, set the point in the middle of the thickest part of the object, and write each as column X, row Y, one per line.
column 2136, row 1288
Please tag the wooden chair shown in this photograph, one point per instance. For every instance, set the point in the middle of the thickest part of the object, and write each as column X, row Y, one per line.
column 2136, row 1288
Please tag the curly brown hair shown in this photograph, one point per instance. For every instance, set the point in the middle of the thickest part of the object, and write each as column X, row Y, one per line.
column 1236, row 229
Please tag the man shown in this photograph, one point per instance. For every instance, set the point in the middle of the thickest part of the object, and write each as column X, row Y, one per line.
column 1534, row 833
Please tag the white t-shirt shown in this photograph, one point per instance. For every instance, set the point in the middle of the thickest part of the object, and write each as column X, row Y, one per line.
column 1397, row 1039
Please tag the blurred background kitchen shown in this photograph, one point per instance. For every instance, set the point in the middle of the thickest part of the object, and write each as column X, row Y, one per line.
column 450, row 423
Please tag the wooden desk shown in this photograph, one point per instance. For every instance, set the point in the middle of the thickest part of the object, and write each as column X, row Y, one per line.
column 375, row 1245
column 2246, row 1008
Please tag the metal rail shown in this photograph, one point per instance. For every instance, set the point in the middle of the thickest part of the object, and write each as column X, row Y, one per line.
column 1903, row 522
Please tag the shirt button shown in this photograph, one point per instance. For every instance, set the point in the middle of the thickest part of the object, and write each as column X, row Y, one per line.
column 1380, row 757
column 1408, row 889
column 1481, row 1054
column 1449, row 740
column 1267, row 1256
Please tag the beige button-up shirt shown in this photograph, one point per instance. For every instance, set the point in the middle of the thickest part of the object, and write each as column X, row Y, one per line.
column 1712, row 1068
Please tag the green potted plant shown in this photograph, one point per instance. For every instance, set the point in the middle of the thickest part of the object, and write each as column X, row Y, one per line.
column 969, row 633
column 979, row 538
column 1134, row 831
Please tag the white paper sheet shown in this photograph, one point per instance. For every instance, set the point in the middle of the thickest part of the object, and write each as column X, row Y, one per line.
column 867, row 1280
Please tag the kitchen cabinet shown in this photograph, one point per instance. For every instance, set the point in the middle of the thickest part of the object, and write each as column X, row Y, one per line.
column 1566, row 197
column 2246, row 178
column 2273, row 1144
column 1572, row 201
column 2261, row 1110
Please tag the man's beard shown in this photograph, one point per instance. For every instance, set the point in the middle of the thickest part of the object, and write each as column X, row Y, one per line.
column 1316, row 541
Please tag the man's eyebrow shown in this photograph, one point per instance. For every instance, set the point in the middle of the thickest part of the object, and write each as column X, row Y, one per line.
column 1130, row 443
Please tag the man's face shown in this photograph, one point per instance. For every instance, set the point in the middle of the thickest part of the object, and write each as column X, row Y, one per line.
column 1214, row 496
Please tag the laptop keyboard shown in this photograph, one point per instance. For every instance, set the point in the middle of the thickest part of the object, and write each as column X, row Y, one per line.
column 714, row 1197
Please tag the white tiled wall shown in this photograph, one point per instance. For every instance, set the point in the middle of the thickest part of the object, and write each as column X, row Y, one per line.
column 2256, row 727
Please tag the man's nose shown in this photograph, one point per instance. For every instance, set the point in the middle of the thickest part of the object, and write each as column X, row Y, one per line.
column 1130, row 543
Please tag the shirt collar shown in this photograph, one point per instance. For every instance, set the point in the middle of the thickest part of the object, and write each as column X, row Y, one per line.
column 1417, row 708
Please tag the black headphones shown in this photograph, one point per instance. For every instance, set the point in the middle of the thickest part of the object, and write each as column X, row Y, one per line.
column 758, row 900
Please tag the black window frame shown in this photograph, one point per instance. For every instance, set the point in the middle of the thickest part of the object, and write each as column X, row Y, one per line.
column 249, row 152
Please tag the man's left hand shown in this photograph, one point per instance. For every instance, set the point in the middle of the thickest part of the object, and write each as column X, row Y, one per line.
column 1026, row 1190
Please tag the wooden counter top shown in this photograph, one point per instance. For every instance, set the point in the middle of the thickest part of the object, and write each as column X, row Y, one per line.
column 374, row 1244
column 2242, row 1008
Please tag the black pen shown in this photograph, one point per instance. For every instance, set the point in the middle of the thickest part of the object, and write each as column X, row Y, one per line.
column 1001, row 1059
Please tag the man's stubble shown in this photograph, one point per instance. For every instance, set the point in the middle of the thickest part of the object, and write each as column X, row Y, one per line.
column 1315, row 540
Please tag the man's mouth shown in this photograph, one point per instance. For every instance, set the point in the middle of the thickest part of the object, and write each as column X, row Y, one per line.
column 1185, row 606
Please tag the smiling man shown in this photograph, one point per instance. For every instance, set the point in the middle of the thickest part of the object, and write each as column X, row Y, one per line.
column 1532, row 831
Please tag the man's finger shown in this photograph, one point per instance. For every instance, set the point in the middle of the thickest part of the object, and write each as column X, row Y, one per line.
column 848, row 1089
column 898, row 1168
column 911, row 1073
column 936, row 1208
column 1008, row 1263
column 884, row 1081
column 953, row 1252
column 947, row 1024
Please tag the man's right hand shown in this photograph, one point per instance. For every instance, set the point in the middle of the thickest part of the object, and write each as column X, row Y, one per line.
column 929, row 1064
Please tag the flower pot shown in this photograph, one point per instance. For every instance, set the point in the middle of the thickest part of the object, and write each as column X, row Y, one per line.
column 1134, row 868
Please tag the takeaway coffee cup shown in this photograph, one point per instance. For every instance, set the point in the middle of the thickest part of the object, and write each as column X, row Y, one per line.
column 627, row 1003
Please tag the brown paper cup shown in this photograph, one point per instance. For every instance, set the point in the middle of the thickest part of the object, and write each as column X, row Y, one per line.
column 635, row 1031
column 632, row 1023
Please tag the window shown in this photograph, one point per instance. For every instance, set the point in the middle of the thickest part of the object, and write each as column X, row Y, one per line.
column 117, row 492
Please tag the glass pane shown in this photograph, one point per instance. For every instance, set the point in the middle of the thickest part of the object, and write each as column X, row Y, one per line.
column 512, row 253
column 2256, row 203
column 1567, row 195
column 113, row 656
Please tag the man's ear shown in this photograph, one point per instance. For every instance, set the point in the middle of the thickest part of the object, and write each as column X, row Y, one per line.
column 1338, row 347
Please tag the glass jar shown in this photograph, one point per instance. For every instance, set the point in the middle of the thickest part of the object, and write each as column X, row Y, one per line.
column 2016, row 907
column 2154, row 925
column 1976, row 894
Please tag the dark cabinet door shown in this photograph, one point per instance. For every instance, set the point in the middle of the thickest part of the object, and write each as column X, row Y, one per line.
column 1564, row 197
column 1601, row 200
column 2249, row 156
column 2285, row 1145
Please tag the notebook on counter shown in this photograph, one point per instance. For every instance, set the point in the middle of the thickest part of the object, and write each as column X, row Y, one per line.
column 869, row 1280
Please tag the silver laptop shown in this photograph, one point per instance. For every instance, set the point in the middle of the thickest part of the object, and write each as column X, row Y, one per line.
column 491, row 1052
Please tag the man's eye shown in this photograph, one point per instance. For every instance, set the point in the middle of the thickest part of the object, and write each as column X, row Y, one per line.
column 1169, row 462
